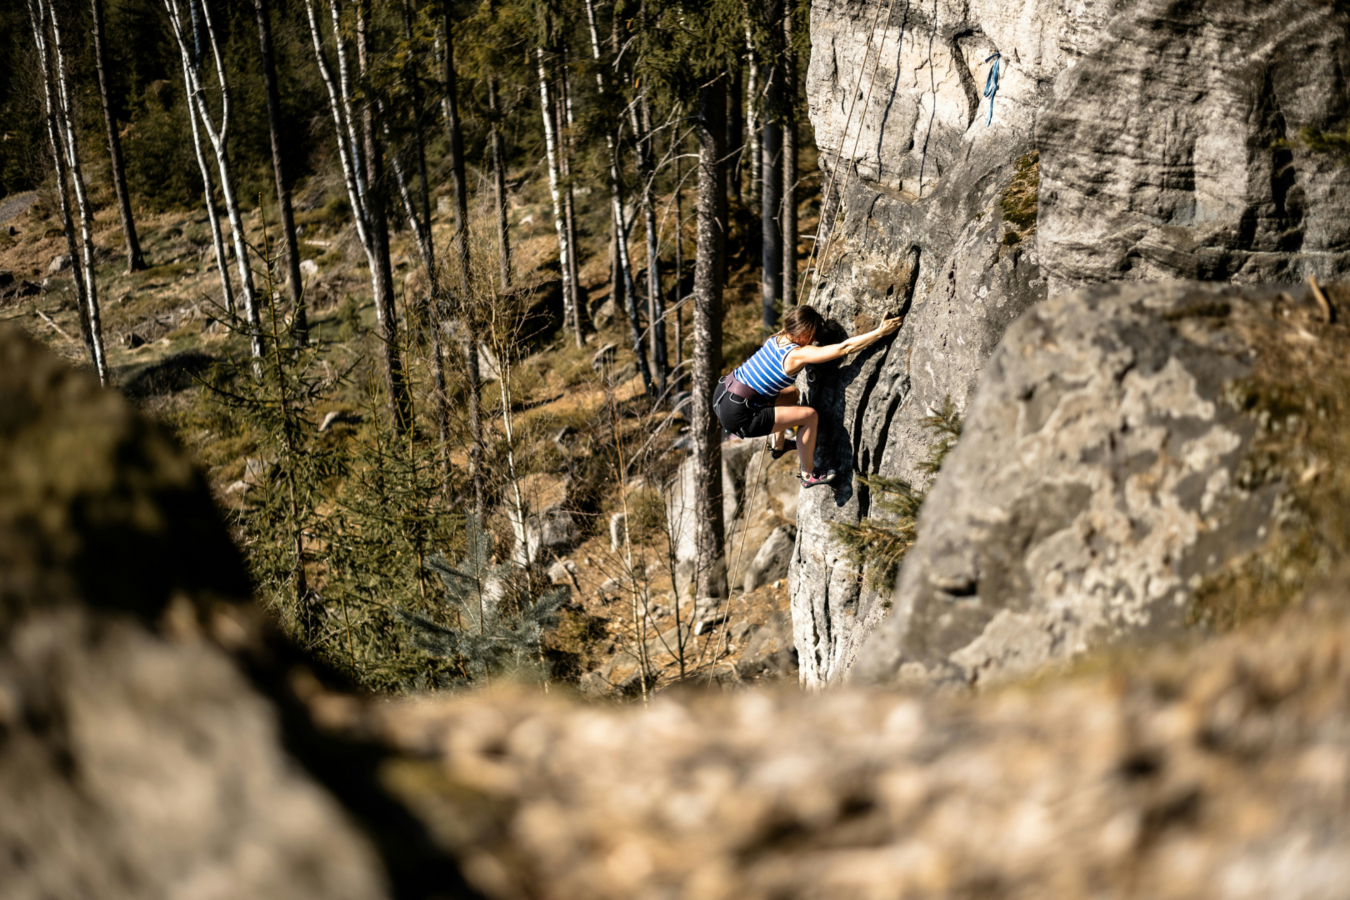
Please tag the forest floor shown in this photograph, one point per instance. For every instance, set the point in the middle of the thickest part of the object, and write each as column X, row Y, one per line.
column 164, row 329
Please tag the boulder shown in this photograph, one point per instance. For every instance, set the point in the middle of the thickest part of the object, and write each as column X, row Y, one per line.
column 771, row 562
column 59, row 263
column 545, row 534
column 1105, row 468
column 138, row 758
column 309, row 269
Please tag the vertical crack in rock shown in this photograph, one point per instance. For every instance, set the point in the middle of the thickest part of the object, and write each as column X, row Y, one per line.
column 962, row 66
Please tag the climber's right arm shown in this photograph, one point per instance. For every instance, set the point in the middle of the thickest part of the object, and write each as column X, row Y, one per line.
column 805, row 356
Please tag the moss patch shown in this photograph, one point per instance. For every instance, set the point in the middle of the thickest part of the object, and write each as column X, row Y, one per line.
column 1018, row 203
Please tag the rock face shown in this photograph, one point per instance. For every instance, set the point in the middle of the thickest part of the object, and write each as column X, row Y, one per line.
column 136, row 759
column 1161, row 156
column 1083, row 176
column 1102, row 471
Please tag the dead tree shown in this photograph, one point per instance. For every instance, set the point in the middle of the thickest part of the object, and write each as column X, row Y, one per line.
column 135, row 259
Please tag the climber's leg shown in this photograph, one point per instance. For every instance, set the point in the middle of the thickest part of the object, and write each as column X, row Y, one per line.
column 789, row 397
column 806, row 420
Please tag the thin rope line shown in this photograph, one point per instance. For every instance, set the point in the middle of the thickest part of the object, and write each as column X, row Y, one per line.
column 839, row 151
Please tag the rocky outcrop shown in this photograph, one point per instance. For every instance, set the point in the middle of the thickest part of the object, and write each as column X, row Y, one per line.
column 1173, row 151
column 1104, row 471
column 965, row 226
column 138, row 755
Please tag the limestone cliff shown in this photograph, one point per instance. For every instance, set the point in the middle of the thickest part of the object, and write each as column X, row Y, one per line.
column 1128, row 140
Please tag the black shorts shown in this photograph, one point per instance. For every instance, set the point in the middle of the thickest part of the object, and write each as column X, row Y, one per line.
column 743, row 418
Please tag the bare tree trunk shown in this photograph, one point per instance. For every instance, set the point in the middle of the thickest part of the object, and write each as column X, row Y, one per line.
column 218, row 136
column 66, row 123
column 499, row 186
column 300, row 325
column 400, row 401
column 547, row 110
column 754, row 115
column 209, row 191
column 135, row 259
column 677, row 297
column 656, row 317
column 37, row 13
column 735, row 134
column 789, row 219
column 565, row 137
column 621, row 227
column 709, row 277
column 771, row 280
column 468, row 307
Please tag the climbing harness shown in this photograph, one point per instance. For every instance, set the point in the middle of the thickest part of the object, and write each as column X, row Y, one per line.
column 991, row 84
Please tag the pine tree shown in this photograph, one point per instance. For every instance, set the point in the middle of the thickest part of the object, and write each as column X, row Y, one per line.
column 878, row 543
column 498, row 626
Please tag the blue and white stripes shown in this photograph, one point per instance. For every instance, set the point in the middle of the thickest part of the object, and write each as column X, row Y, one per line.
column 764, row 371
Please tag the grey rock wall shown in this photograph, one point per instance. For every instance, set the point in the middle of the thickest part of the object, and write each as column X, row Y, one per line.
column 1155, row 123
column 921, row 229
column 1099, row 477
column 1162, row 154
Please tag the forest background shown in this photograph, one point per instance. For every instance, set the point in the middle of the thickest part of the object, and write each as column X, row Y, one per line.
column 468, row 275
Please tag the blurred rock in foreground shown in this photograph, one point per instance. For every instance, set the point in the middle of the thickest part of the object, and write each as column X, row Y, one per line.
column 156, row 742
column 136, row 759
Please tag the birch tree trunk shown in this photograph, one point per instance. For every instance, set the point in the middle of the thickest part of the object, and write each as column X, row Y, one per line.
column 217, row 135
column 135, row 259
column 620, row 226
column 461, row 241
column 300, row 324
column 709, row 277
column 547, row 110
column 565, row 135
column 499, row 185
column 209, row 191
column 677, row 298
column 37, row 13
column 789, row 218
column 753, row 115
column 66, row 127
column 400, row 402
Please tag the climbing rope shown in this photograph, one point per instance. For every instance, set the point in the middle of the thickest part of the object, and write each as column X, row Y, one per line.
column 991, row 84
column 839, row 151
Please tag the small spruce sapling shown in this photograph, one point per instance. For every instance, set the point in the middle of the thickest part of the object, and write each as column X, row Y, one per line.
column 499, row 625
column 878, row 543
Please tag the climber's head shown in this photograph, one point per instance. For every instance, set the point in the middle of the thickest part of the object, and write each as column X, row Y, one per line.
column 803, row 325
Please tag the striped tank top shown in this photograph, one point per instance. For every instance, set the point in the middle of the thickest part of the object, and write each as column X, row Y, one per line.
column 764, row 371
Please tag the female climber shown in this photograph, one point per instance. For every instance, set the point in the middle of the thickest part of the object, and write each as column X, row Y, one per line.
column 758, row 398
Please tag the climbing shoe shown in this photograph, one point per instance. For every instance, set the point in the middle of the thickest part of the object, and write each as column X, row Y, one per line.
column 788, row 447
column 816, row 477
